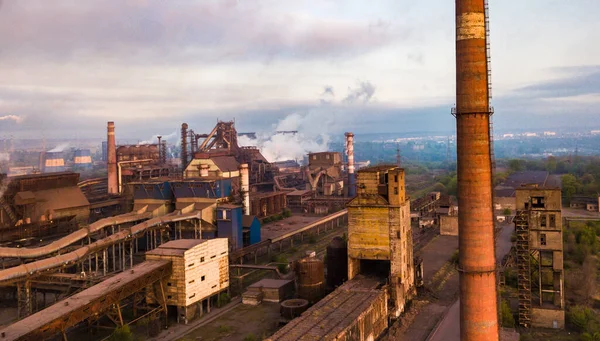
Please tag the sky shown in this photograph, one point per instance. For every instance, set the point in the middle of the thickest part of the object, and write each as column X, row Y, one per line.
column 67, row 67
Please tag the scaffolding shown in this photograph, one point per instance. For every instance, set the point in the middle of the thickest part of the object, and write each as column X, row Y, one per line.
column 523, row 267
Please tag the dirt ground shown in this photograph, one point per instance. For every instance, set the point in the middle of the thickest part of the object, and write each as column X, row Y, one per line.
column 440, row 292
column 242, row 321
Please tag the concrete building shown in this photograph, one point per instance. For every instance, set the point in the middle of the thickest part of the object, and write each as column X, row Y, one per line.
column 324, row 173
column 539, row 248
column 267, row 204
column 200, row 271
column 380, row 233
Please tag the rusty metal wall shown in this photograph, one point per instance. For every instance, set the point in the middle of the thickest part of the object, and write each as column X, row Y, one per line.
column 478, row 293
column 113, row 183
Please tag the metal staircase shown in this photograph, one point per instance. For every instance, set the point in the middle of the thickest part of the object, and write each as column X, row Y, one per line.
column 523, row 267
column 8, row 210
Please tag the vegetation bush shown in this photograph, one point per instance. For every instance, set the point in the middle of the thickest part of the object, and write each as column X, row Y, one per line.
column 122, row 334
column 455, row 257
column 283, row 263
column 507, row 211
column 510, row 277
column 250, row 337
column 583, row 319
column 508, row 320
column 224, row 298
column 287, row 213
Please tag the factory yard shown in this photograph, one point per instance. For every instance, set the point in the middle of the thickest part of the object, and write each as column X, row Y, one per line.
column 238, row 323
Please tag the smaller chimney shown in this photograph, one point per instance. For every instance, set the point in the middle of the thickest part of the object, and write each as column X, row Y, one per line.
column 111, row 151
column 350, row 153
column 184, row 149
column 204, row 170
column 159, row 149
column 245, row 187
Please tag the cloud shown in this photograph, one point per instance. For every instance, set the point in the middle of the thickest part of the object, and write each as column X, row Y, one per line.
column 157, row 30
column 17, row 119
column 577, row 82
column 362, row 93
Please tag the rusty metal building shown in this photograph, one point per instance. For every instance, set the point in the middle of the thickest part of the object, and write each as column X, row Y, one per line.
column 539, row 247
column 380, row 233
column 324, row 173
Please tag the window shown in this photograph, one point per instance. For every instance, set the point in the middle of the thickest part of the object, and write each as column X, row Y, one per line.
column 192, row 281
column 224, row 252
column 168, row 284
column 190, row 265
column 395, row 190
column 202, row 278
column 537, row 202
column 396, row 178
column 214, row 286
column 398, row 234
column 543, row 221
column 552, row 220
column 194, row 295
column 543, row 239
column 169, row 297
column 211, row 257
column 201, row 259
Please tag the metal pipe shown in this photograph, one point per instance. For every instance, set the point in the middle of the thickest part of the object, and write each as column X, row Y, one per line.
column 477, row 266
column 119, row 172
column 111, row 151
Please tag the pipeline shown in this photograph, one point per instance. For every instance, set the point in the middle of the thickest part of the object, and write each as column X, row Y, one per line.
column 30, row 269
column 37, row 252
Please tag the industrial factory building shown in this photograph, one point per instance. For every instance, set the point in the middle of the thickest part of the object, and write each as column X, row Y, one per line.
column 200, row 270
column 380, row 233
column 539, row 248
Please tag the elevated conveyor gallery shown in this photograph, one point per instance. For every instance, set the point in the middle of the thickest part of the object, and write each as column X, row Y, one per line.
column 90, row 303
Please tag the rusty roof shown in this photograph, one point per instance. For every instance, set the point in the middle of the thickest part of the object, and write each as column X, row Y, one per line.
column 60, row 198
column 270, row 283
column 377, row 168
column 225, row 163
column 247, row 220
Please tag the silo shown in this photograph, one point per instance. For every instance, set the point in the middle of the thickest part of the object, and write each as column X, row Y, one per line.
column 337, row 262
column 310, row 272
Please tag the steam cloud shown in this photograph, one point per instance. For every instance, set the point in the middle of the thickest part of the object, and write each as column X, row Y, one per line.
column 17, row 119
column 281, row 147
column 314, row 128
column 154, row 139
column 60, row 148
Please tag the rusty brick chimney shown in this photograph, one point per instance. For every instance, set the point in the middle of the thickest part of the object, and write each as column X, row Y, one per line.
column 477, row 265
column 111, row 151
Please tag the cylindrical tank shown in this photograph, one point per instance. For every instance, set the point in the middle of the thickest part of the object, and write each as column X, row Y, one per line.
column 337, row 262
column 310, row 272
column 290, row 309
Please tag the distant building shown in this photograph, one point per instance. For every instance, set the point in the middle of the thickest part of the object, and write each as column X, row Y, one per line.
column 549, row 133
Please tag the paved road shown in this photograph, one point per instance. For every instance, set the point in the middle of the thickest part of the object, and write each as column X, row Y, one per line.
column 449, row 327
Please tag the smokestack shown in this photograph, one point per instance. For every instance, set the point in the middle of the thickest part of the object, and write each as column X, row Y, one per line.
column 111, row 151
column 350, row 152
column 184, row 152
column 477, row 266
column 160, row 149
column 245, row 187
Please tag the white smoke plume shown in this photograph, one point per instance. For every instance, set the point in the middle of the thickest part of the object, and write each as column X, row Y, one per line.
column 312, row 136
column 170, row 138
column 362, row 94
column 17, row 119
column 60, row 148
column 4, row 185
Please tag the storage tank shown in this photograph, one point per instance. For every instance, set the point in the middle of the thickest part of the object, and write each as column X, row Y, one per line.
column 310, row 273
column 290, row 309
column 82, row 158
column 337, row 262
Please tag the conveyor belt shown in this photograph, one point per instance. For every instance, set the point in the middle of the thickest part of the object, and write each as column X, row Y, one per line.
column 92, row 302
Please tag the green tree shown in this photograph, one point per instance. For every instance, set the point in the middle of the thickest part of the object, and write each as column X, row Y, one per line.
column 508, row 320
column 551, row 164
column 516, row 165
column 569, row 186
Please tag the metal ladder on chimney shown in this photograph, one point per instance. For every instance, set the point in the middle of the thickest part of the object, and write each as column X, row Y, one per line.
column 523, row 267
column 8, row 210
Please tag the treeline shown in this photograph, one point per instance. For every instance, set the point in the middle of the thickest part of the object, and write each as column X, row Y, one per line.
column 579, row 175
